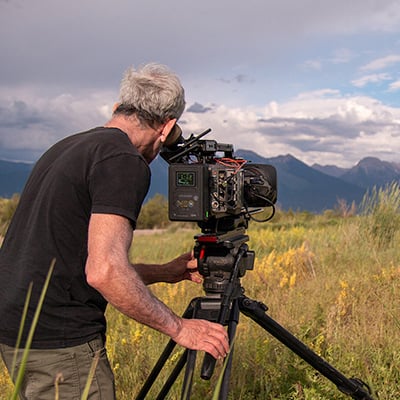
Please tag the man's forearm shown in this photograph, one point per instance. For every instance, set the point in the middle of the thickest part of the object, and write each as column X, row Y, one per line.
column 151, row 273
column 126, row 291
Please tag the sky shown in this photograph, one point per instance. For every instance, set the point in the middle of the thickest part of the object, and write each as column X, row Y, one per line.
column 316, row 79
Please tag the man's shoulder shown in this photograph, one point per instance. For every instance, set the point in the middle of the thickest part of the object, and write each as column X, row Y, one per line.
column 101, row 134
column 102, row 142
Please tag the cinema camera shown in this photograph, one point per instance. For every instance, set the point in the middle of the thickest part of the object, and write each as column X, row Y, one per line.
column 220, row 192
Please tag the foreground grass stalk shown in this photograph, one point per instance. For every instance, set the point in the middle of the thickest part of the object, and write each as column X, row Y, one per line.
column 21, row 328
column 59, row 378
column 92, row 371
column 218, row 386
column 21, row 371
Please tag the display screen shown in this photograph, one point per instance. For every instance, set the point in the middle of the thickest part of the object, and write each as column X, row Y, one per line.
column 185, row 178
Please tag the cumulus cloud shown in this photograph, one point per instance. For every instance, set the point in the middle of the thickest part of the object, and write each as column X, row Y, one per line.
column 316, row 127
column 30, row 122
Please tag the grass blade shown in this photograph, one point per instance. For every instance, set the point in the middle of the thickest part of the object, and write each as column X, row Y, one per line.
column 25, row 354
column 21, row 328
column 93, row 367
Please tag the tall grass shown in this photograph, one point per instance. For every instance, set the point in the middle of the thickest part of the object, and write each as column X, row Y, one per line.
column 333, row 281
column 7, row 209
column 382, row 208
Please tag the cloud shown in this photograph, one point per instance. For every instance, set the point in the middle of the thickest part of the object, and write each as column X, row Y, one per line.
column 373, row 78
column 382, row 63
column 329, row 128
column 394, row 86
column 32, row 122
column 317, row 127
column 198, row 108
column 239, row 78
column 19, row 115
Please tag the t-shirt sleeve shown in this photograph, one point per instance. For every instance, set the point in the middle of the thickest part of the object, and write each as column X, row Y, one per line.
column 118, row 185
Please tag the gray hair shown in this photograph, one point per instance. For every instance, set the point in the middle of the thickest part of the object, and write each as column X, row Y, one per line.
column 153, row 93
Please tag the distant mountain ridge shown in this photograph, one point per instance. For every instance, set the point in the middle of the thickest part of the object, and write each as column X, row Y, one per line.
column 13, row 176
column 368, row 172
column 300, row 187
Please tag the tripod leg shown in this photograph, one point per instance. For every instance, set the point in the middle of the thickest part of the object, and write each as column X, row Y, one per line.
column 203, row 308
column 156, row 370
column 232, row 325
column 164, row 358
column 172, row 377
column 257, row 312
column 189, row 371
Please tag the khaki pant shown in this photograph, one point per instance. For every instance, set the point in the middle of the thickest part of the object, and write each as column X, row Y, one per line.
column 62, row 373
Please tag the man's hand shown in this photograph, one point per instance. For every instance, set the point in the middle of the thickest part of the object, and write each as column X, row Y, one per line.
column 202, row 335
column 182, row 268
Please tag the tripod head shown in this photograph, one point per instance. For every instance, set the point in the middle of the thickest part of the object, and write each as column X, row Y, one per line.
column 219, row 262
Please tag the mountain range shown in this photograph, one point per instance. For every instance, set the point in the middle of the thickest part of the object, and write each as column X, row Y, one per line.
column 13, row 176
column 300, row 187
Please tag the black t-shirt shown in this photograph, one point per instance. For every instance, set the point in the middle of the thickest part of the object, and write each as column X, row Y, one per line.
column 98, row 171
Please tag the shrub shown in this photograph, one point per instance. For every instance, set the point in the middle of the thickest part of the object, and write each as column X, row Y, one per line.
column 154, row 213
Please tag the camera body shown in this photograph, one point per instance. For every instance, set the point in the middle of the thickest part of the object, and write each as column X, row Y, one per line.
column 199, row 192
column 208, row 184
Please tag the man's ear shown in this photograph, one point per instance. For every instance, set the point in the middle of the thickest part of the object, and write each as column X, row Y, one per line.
column 115, row 106
column 167, row 129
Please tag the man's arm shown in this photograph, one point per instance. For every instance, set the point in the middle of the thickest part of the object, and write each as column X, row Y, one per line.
column 109, row 271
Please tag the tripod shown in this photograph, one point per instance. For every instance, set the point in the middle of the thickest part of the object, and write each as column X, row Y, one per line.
column 223, row 260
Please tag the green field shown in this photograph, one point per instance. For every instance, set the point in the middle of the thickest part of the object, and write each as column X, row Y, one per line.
column 333, row 280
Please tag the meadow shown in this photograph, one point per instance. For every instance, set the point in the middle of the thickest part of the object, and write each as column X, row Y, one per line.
column 333, row 280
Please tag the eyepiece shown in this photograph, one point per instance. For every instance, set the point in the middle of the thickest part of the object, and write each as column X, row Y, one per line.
column 174, row 137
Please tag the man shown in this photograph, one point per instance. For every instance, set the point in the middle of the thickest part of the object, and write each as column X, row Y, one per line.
column 80, row 207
